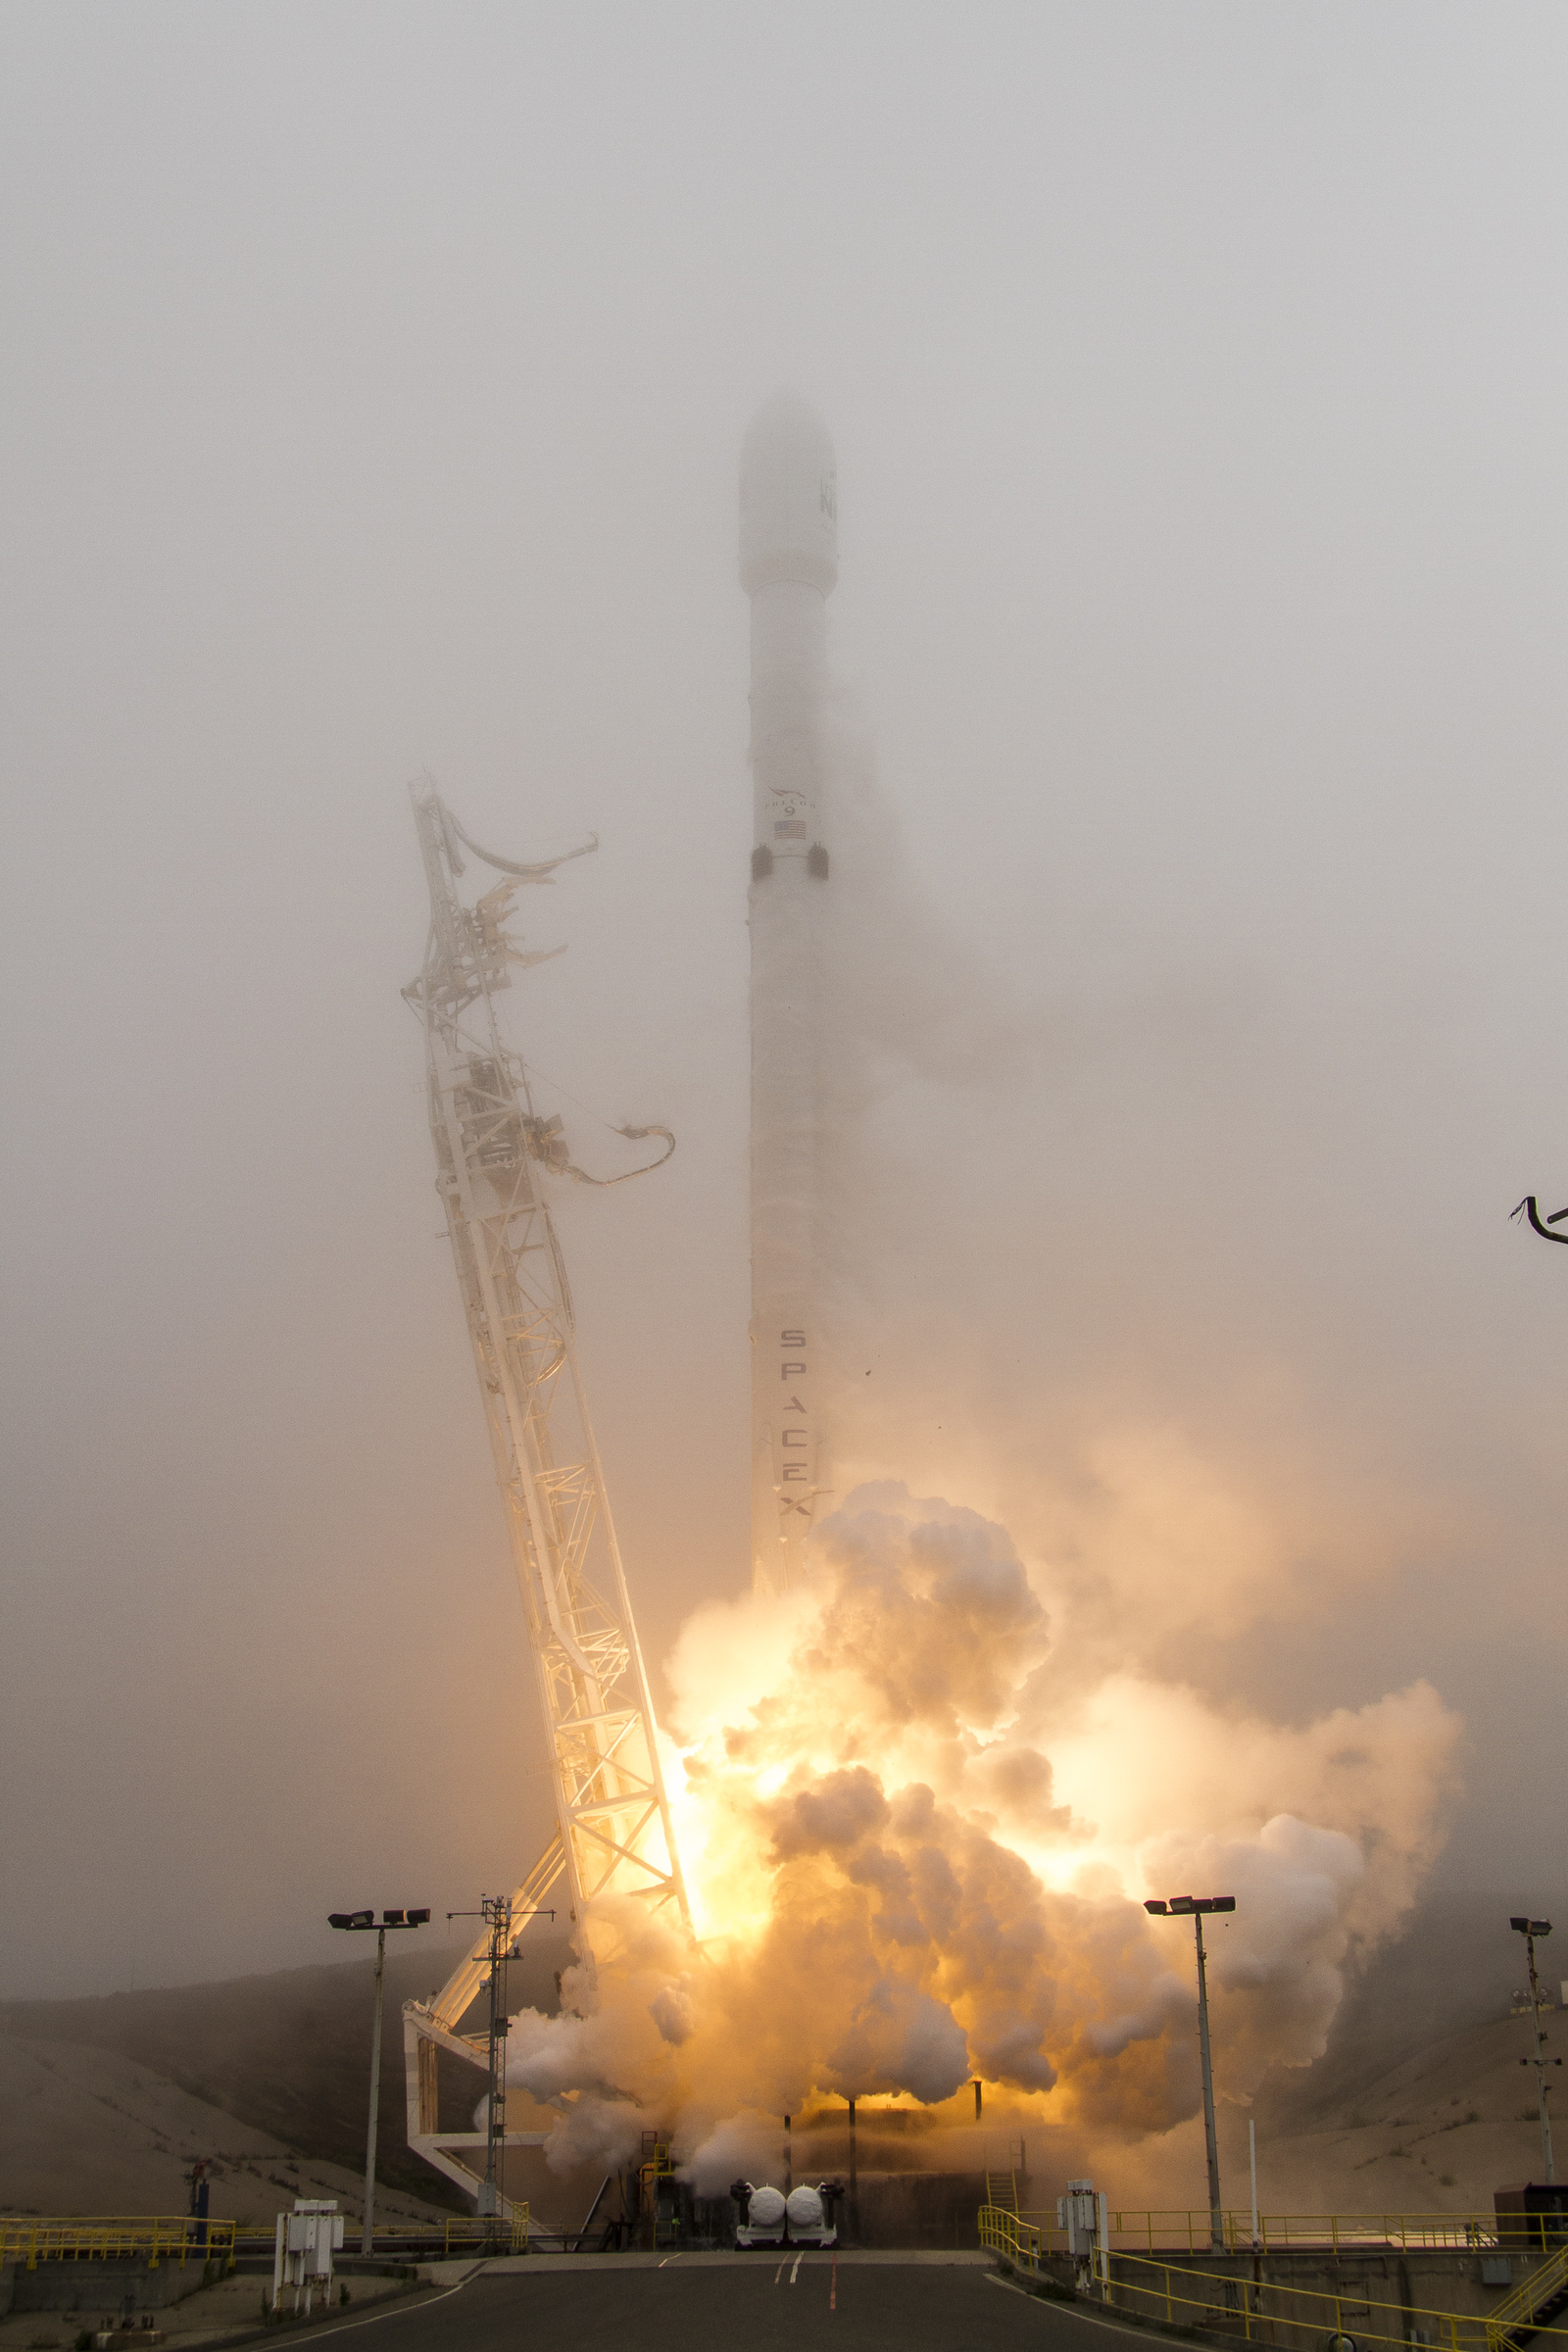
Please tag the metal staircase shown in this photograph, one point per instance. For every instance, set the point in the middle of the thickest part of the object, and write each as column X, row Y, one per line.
column 1533, row 2304
column 1001, row 2192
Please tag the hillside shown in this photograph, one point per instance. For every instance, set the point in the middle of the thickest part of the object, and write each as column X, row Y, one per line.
column 88, row 2131
column 1434, row 2129
column 1420, row 2102
column 286, row 2055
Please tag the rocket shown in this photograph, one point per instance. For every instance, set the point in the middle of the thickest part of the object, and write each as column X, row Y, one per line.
column 787, row 563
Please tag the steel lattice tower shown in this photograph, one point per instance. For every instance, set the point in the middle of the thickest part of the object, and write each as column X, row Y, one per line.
column 613, row 1831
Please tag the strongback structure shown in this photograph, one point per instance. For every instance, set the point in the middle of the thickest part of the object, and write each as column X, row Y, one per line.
column 789, row 564
column 613, row 1833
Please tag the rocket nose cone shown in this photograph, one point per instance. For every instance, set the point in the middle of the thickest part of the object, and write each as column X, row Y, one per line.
column 789, row 496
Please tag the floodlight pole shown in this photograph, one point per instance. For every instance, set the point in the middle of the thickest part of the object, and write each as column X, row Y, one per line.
column 361, row 1923
column 1530, row 1929
column 368, row 2231
column 1216, row 2218
column 1197, row 1905
column 495, row 2119
column 500, row 1914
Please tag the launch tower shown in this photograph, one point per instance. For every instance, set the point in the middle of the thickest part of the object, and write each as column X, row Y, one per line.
column 614, row 1834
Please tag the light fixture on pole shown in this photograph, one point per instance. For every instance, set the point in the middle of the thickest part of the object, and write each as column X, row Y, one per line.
column 362, row 1923
column 1530, row 1929
column 1183, row 1907
column 501, row 1916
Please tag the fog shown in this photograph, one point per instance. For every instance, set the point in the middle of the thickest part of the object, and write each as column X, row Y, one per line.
column 374, row 390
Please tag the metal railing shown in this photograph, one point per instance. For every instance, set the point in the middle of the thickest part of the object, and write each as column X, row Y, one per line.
column 1299, row 2317
column 1007, row 2233
column 465, row 2234
column 116, row 2237
column 157, row 2237
column 1177, row 2228
column 1519, row 2309
column 470, row 2234
column 1295, row 2319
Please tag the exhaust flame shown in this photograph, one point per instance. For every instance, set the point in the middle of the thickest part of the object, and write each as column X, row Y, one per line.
column 912, row 1863
column 921, row 1796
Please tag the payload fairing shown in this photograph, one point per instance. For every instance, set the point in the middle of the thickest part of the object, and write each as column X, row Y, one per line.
column 789, row 564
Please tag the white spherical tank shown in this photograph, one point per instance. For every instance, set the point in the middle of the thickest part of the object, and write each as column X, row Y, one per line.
column 805, row 2209
column 789, row 498
column 766, row 2208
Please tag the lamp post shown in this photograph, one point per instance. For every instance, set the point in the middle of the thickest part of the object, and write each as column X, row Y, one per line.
column 1183, row 1907
column 501, row 1915
column 361, row 1922
column 1530, row 1929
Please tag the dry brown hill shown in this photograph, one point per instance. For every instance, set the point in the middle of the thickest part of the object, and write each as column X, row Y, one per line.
column 1436, row 2129
column 286, row 2055
column 88, row 2131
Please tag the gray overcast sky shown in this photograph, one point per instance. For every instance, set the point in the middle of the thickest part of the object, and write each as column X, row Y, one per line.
column 372, row 386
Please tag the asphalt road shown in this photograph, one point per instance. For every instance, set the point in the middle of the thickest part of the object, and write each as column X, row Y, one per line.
column 758, row 2304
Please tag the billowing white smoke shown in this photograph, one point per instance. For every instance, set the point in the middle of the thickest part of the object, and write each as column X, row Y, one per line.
column 900, row 1884
column 921, row 1800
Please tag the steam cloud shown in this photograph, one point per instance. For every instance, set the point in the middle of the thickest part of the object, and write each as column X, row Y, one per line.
column 899, row 1886
column 920, row 1800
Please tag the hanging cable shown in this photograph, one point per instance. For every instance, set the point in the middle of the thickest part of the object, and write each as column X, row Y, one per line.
column 635, row 1135
column 509, row 865
column 1527, row 1208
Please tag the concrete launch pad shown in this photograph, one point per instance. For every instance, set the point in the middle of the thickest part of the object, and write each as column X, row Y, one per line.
column 713, row 2302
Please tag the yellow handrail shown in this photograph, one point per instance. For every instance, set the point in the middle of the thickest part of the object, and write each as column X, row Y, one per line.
column 114, row 2238
column 1006, row 2232
column 471, row 2232
column 1310, row 2308
column 1192, row 2227
column 1519, row 2309
column 1183, row 2295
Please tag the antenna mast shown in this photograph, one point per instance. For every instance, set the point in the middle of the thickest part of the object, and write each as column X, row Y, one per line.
column 613, row 1831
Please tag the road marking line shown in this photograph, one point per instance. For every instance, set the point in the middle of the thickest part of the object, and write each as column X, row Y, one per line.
column 779, row 2273
column 798, row 2261
column 675, row 2257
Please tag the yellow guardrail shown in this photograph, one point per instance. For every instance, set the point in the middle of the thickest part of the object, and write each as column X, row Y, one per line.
column 1295, row 2319
column 114, row 2238
column 1177, row 2227
column 471, row 2235
column 1303, row 2316
column 462, row 2234
column 1519, row 2309
column 1007, row 2233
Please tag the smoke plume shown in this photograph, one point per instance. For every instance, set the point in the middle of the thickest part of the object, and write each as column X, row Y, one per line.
column 904, row 1878
column 920, row 1799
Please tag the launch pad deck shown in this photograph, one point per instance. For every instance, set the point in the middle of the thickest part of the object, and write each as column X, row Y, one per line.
column 877, row 2300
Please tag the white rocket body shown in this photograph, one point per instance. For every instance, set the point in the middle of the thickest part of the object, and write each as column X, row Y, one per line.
column 789, row 562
